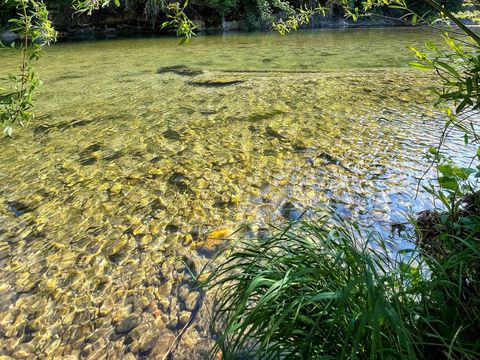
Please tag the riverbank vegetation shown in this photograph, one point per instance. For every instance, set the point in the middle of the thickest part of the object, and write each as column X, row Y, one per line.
column 139, row 16
column 36, row 31
column 325, row 290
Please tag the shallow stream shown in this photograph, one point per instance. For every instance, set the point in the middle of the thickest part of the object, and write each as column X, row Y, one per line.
column 145, row 155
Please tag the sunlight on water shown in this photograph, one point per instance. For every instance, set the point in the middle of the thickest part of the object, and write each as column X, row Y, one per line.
column 145, row 155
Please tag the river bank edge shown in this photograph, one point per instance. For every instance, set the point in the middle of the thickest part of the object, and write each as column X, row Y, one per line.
column 113, row 30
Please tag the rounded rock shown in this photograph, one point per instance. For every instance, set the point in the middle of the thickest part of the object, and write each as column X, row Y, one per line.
column 184, row 318
column 191, row 300
column 147, row 342
column 127, row 324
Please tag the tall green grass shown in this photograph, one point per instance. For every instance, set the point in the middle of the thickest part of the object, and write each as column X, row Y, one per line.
column 323, row 291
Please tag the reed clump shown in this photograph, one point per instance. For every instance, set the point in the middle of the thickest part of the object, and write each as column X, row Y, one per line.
column 324, row 290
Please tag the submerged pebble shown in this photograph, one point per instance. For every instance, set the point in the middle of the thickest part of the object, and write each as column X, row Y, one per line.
column 127, row 324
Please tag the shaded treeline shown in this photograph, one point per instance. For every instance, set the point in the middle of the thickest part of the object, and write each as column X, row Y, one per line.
column 148, row 15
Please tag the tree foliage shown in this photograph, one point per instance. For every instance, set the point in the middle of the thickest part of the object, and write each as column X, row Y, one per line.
column 16, row 93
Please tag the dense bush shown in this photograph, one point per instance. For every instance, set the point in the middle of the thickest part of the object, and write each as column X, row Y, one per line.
column 7, row 11
column 212, row 11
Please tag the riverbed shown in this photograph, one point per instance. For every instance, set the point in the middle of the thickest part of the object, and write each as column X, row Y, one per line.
column 145, row 156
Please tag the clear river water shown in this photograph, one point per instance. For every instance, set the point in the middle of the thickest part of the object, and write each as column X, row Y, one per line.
column 145, row 156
